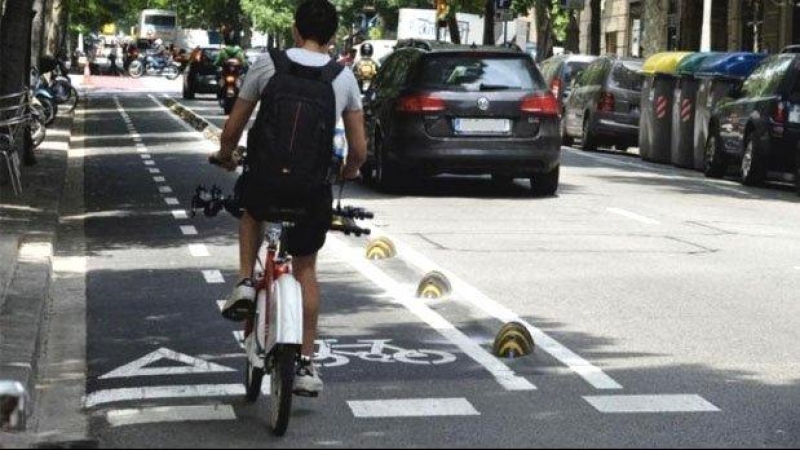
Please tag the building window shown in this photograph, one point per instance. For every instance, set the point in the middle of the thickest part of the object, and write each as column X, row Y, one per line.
column 611, row 43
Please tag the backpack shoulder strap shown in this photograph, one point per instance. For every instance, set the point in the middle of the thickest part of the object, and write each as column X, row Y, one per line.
column 281, row 60
column 331, row 70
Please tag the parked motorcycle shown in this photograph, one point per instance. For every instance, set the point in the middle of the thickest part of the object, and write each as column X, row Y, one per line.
column 42, row 93
column 38, row 128
column 229, row 83
column 154, row 65
column 60, row 85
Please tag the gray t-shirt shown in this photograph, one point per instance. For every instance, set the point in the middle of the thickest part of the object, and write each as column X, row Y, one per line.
column 345, row 87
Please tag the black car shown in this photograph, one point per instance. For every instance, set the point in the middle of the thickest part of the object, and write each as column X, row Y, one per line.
column 603, row 107
column 442, row 108
column 560, row 71
column 201, row 75
column 758, row 127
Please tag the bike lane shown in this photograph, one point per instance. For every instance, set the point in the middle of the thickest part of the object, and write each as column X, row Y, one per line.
column 166, row 370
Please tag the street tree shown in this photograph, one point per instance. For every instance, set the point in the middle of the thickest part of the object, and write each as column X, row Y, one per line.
column 15, row 30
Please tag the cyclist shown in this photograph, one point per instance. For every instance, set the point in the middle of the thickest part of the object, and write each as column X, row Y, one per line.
column 366, row 68
column 316, row 22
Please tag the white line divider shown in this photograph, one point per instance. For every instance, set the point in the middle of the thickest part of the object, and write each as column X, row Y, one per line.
column 502, row 373
column 149, row 162
column 163, row 392
column 172, row 201
column 154, row 170
column 650, row 404
column 141, row 416
column 633, row 215
column 466, row 292
column 165, row 190
column 159, row 179
column 421, row 407
column 213, row 277
column 145, row 156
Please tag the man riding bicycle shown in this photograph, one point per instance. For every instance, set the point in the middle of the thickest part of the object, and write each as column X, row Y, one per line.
column 316, row 22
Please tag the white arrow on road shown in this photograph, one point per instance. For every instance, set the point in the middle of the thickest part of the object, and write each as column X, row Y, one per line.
column 191, row 366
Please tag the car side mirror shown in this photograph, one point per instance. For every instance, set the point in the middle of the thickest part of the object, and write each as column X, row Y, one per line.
column 13, row 406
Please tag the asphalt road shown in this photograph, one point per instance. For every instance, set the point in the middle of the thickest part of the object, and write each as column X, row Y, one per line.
column 664, row 306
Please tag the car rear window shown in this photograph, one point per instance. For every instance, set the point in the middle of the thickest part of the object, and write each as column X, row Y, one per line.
column 573, row 69
column 479, row 73
column 627, row 76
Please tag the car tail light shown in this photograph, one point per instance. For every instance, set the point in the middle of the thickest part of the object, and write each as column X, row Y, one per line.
column 606, row 103
column 555, row 88
column 543, row 104
column 780, row 114
column 420, row 104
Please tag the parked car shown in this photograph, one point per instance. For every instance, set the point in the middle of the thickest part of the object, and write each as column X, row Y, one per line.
column 757, row 128
column 442, row 108
column 559, row 73
column 603, row 108
column 201, row 75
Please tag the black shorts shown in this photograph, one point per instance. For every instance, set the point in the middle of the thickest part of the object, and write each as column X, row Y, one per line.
column 307, row 237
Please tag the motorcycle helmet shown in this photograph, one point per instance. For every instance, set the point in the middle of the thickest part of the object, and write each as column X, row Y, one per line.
column 366, row 50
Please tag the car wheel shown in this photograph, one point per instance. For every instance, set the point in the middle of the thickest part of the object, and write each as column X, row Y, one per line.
column 752, row 170
column 545, row 184
column 588, row 140
column 714, row 161
column 387, row 176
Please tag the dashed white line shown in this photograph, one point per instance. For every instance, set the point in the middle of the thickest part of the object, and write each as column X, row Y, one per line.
column 199, row 250
column 633, row 216
column 159, row 179
column 213, row 276
column 146, row 156
column 422, row 407
column 141, row 416
column 650, row 404
column 189, row 230
column 179, row 214
column 149, row 162
column 165, row 190
column 154, row 170
column 172, row 201
column 163, row 392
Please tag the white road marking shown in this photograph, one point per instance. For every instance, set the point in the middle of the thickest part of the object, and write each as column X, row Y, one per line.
column 632, row 215
column 199, row 250
column 141, row 416
column 213, row 277
column 504, row 375
column 146, row 156
column 159, row 179
column 149, row 162
column 191, row 365
column 239, row 336
column 189, row 230
column 154, row 171
column 466, row 292
column 422, row 407
column 650, row 404
column 165, row 190
column 796, row 267
column 220, row 305
column 163, row 392
column 172, row 201
column 179, row 214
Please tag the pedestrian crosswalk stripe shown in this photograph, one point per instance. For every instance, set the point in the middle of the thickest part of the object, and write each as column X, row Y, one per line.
column 213, row 277
column 189, row 230
column 650, row 403
column 179, row 214
column 172, row 201
column 422, row 407
column 165, row 190
column 198, row 250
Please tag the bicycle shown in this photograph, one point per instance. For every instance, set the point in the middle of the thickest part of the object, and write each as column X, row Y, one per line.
column 274, row 334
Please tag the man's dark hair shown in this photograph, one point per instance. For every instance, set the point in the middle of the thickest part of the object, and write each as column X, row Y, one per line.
column 316, row 20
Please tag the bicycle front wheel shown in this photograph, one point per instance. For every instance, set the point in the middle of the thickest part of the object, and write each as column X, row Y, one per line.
column 284, row 364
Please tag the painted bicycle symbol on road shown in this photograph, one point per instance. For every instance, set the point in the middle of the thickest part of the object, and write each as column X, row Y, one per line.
column 332, row 354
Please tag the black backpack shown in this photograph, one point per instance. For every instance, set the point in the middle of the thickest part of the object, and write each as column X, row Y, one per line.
column 290, row 145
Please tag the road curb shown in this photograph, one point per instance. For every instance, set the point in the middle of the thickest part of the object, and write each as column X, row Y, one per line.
column 209, row 130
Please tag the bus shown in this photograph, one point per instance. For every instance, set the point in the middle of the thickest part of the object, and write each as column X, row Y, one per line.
column 158, row 24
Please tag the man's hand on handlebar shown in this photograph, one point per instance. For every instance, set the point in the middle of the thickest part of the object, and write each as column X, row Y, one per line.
column 229, row 163
column 349, row 174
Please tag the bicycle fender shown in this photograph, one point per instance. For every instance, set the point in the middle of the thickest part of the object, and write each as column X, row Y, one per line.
column 286, row 312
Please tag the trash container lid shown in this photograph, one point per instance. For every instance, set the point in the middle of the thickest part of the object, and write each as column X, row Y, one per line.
column 663, row 63
column 733, row 65
column 690, row 64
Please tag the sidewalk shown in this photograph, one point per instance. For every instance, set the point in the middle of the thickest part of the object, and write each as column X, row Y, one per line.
column 27, row 237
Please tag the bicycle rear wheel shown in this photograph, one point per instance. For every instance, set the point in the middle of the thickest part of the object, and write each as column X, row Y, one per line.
column 284, row 364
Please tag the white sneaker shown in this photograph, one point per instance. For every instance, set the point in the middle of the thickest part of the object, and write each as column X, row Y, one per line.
column 241, row 303
column 307, row 382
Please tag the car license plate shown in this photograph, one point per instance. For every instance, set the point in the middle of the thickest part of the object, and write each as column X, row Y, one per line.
column 482, row 126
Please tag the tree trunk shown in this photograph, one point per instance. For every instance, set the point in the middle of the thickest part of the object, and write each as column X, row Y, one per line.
column 452, row 25
column 15, row 48
column 488, row 23
column 37, row 31
column 545, row 36
column 573, row 42
column 594, row 27
column 56, row 27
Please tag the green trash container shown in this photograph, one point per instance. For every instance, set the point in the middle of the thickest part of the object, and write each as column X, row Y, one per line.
column 720, row 76
column 684, row 108
column 658, row 91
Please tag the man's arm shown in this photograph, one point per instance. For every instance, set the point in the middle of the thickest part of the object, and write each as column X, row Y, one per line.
column 356, row 142
column 232, row 133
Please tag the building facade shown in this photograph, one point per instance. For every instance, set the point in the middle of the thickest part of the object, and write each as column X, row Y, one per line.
column 640, row 28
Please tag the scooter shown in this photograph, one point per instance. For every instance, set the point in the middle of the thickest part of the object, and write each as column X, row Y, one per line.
column 229, row 84
column 42, row 93
column 38, row 128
